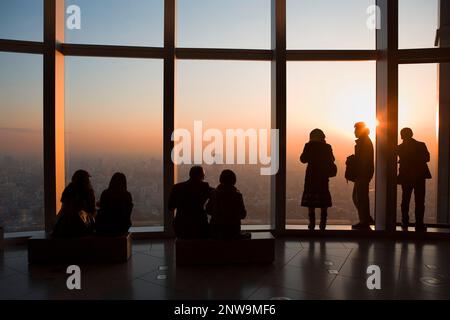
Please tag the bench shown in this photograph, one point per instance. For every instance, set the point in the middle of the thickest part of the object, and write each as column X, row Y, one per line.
column 260, row 249
column 91, row 249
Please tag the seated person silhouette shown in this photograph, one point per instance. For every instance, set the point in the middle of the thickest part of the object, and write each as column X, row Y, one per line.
column 226, row 208
column 76, row 217
column 188, row 199
column 115, row 206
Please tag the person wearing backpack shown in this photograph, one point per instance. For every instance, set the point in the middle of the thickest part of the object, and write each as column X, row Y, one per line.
column 360, row 169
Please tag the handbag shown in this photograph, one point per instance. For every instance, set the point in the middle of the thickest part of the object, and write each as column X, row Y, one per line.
column 350, row 169
column 333, row 170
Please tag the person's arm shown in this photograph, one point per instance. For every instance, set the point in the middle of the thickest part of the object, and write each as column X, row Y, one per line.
column 173, row 199
column 129, row 205
column 242, row 210
column 209, row 207
column 91, row 203
column 304, row 158
column 426, row 153
column 332, row 158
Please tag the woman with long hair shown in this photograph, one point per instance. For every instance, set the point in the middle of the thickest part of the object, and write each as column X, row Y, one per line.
column 115, row 207
column 318, row 155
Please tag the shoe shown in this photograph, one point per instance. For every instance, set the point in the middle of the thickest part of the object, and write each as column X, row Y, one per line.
column 405, row 227
column 311, row 227
column 360, row 226
column 323, row 227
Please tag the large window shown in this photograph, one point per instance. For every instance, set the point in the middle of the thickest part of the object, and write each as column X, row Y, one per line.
column 118, row 22
column 114, row 123
column 21, row 159
column 224, row 24
column 331, row 96
column 122, row 101
column 21, row 20
column 331, row 24
column 419, row 110
column 418, row 23
column 227, row 95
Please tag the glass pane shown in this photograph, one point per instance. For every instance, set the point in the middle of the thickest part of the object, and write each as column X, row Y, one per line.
column 114, row 123
column 116, row 22
column 330, row 24
column 224, row 24
column 332, row 96
column 21, row 143
column 22, row 20
column 418, row 23
column 210, row 92
column 418, row 110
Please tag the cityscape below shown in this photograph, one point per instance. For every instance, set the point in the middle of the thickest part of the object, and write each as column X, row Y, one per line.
column 22, row 193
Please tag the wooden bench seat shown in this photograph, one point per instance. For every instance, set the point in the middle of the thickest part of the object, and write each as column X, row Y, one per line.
column 91, row 249
column 260, row 249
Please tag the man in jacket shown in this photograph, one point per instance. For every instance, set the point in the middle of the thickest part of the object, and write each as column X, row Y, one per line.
column 188, row 199
column 413, row 173
column 364, row 171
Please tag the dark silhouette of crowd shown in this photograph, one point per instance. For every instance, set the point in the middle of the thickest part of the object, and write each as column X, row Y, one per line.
column 201, row 211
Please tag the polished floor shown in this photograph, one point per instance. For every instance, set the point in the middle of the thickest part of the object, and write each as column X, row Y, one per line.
column 304, row 269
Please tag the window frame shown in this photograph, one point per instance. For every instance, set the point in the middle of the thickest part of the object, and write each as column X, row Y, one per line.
column 387, row 55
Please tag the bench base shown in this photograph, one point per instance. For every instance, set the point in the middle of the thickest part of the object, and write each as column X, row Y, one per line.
column 260, row 249
column 90, row 249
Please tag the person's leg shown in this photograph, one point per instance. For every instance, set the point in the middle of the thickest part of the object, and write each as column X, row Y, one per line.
column 362, row 191
column 406, row 199
column 323, row 218
column 419, row 196
column 312, row 218
column 355, row 196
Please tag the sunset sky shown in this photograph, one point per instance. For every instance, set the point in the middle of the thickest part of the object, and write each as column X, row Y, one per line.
column 115, row 105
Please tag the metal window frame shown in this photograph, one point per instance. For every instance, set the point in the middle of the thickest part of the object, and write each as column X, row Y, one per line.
column 387, row 56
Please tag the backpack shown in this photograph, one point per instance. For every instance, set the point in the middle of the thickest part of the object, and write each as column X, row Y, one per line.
column 350, row 170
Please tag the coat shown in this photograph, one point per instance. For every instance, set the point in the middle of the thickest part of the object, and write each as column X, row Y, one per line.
column 226, row 208
column 414, row 157
column 319, row 157
column 364, row 159
column 189, row 199
column 76, row 203
column 114, row 216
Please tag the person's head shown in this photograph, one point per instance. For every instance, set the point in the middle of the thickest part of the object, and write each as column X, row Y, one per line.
column 361, row 130
column 228, row 178
column 317, row 135
column 118, row 182
column 406, row 133
column 81, row 179
column 197, row 173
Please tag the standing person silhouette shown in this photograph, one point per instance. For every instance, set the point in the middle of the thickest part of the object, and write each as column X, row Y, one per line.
column 364, row 171
column 320, row 159
column 188, row 199
column 413, row 173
